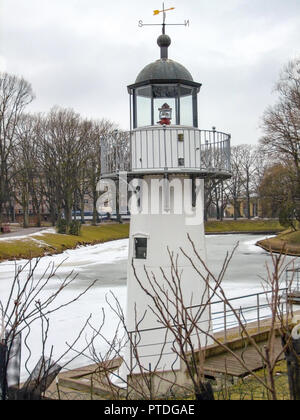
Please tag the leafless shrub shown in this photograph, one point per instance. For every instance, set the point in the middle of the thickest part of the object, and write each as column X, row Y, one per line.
column 26, row 305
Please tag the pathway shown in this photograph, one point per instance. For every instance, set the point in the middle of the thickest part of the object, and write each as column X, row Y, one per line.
column 22, row 233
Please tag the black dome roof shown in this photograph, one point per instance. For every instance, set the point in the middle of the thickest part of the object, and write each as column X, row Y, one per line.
column 164, row 69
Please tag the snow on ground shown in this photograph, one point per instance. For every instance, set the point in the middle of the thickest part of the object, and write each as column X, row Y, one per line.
column 86, row 263
column 251, row 244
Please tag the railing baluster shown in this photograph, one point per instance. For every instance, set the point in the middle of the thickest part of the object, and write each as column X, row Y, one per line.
column 131, row 350
column 153, row 154
column 225, row 323
column 147, row 149
column 258, row 313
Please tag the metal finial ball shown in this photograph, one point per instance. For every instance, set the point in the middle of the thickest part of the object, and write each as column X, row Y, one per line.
column 164, row 41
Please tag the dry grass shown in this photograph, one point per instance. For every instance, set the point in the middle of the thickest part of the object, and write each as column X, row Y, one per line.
column 243, row 225
column 250, row 389
column 39, row 245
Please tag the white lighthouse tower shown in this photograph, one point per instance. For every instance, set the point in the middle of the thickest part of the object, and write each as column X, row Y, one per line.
column 169, row 159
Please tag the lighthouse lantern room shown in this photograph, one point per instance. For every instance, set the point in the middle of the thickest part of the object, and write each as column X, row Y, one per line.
column 164, row 82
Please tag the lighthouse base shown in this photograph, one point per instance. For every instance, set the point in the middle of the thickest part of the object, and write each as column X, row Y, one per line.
column 166, row 294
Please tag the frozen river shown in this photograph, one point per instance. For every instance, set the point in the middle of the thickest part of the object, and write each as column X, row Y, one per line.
column 107, row 263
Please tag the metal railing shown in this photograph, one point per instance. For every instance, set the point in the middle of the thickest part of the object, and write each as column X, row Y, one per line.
column 254, row 312
column 293, row 277
column 224, row 321
column 167, row 149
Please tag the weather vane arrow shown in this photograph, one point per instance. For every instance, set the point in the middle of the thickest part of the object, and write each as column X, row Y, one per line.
column 157, row 12
column 164, row 24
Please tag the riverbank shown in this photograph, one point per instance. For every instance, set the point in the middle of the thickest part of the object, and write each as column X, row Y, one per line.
column 48, row 242
column 259, row 226
column 287, row 243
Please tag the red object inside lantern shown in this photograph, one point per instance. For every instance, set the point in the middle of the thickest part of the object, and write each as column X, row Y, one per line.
column 165, row 115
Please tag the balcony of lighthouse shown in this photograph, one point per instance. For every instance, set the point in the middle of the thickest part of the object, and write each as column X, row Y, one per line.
column 168, row 150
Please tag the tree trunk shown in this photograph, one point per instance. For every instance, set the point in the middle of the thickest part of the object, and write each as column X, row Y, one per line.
column 205, row 392
column 248, row 205
column 95, row 215
column 3, row 365
column 53, row 217
column 205, row 214
column 292, row 355
column 118, row 216
column 26, row 219
column 38, row 219
column 236, row 208
column 37, row 213
column 36, row 210
column 25, row 214
column 82, row 211
column 68, row 213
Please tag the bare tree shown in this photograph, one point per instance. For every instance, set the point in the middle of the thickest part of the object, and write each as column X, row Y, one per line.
column 277, row 191
column 27, row 182
column 115, row 150
column 125, row 378
column 184, row 321
column 64, row 154
column 15, row 94
column 100, row 132
column 235, row 183
column 281, row 122
column 27, row 304
column 279, row 319
column 249, row 155
column 216, row 198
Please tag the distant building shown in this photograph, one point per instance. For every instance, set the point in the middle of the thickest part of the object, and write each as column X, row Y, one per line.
column 255, row 208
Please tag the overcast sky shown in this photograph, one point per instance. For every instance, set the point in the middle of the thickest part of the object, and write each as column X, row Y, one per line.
column 83, row 53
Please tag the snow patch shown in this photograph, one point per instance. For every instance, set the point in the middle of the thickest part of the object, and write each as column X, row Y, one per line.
column 251, row 245
column 39, row 233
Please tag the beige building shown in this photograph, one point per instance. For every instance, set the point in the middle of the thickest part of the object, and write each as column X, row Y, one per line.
column 255, row 208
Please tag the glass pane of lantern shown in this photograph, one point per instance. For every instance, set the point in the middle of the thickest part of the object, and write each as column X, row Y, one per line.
column 186, row 106
column 143, row 111
column 143, row 105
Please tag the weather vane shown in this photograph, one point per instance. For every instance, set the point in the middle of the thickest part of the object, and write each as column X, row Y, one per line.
column 164, row 24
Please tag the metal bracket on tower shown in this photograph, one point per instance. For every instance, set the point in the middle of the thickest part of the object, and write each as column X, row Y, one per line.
column 166, row 194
